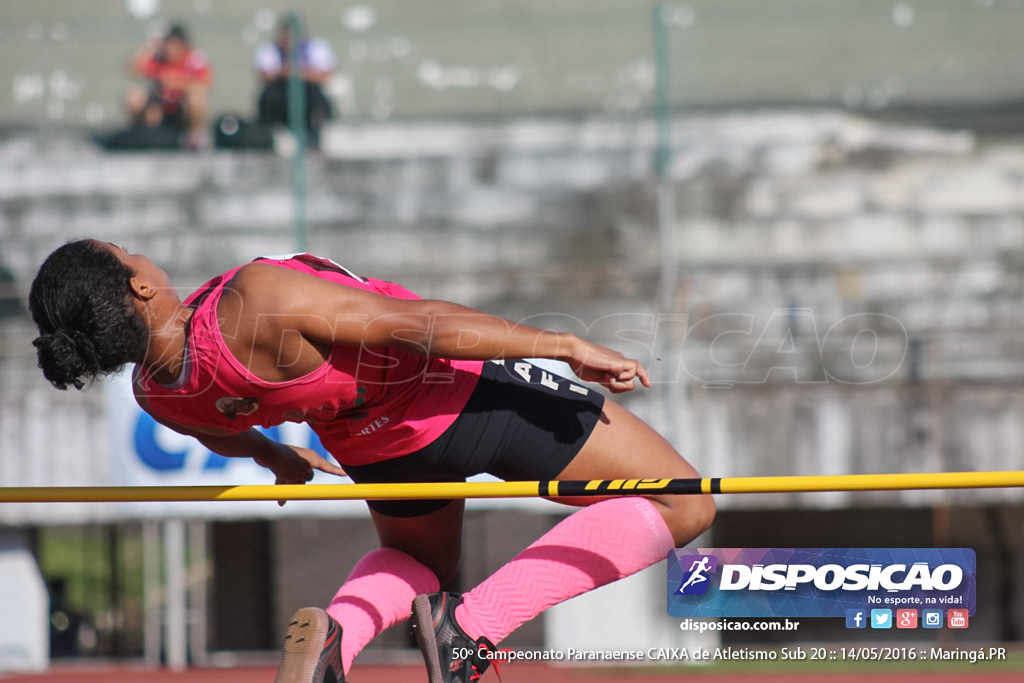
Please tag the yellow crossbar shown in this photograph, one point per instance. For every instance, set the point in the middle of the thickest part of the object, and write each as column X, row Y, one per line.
column 513, row 489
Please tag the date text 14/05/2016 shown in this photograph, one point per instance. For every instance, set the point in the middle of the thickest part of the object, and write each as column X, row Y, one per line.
column 878, row 654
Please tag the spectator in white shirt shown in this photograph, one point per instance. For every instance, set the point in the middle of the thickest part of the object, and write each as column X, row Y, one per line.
column 316, row 60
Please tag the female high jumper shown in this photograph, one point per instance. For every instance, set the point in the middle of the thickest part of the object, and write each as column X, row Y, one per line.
column 399, row 389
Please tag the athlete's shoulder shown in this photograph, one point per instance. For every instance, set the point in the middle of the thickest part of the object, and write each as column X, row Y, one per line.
column 263, row 287
column 256, row 282
column 252, row 273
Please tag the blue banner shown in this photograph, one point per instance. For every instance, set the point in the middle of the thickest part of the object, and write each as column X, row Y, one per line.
column 820, row 582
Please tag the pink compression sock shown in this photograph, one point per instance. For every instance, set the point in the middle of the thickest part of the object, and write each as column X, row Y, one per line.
column 592, row 547
column 377, row 594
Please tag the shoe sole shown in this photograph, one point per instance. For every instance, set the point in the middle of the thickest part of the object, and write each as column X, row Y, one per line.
column 303, row 643
column 423, row 628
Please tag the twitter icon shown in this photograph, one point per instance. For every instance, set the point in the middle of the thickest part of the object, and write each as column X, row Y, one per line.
column 881, row 618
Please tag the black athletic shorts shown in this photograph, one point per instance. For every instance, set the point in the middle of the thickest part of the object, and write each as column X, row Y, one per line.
column 522, row 423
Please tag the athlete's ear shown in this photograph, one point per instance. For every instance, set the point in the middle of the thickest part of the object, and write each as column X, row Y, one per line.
column 141, row 288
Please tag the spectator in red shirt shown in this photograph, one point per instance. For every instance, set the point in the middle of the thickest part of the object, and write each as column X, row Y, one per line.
column 179, row 80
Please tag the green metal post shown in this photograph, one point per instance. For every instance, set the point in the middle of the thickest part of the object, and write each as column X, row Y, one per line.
column 662, row 92
column 663, row 157
column 674, row 399
column 297, row 125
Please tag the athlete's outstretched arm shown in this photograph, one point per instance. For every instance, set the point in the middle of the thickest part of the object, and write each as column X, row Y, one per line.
column 290, row 464
column 325, row 313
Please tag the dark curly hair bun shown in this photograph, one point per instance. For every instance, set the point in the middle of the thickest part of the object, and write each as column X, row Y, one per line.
column 81, row 303
column 66, row 358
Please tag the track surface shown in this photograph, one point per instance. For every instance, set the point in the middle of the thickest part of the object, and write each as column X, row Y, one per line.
column 511, row 673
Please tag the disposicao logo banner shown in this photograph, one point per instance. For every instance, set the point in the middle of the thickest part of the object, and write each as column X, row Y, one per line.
column 817, row 582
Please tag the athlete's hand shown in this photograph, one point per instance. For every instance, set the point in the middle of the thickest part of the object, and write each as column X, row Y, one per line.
column 609, row 368
column 295, row 465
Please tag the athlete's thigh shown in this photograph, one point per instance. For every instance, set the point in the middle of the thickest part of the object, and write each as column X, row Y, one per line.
column 622, row 446
column 435, row 539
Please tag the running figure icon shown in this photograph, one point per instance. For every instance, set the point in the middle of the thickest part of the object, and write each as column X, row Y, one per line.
column 697, row 573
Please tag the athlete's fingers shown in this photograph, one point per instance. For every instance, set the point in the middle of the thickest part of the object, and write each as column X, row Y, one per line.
column 277, row 481
column 301, row 476
column 641, row 374
column 618, row 374
column 329, row 468
column 315, row 461
column 618, row 384
column 325, row 465
column 625, row 379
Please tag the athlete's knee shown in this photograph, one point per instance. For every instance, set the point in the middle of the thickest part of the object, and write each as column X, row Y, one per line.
column 689, row 516
column 704, row 513
column 445, row 566
column 447, row 571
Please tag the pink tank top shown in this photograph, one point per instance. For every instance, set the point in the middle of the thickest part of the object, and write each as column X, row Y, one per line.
column 365, row 403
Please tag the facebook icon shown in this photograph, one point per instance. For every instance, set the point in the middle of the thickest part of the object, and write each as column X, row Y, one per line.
column 856, row 618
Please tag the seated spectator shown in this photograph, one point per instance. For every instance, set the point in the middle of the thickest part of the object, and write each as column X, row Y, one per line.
column 317, row 61
column 176, row 95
